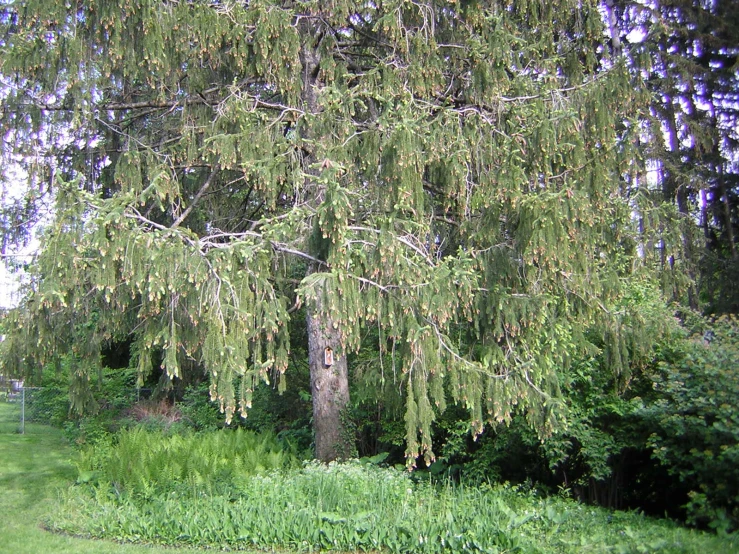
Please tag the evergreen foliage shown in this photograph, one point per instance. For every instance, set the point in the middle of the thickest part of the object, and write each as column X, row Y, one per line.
column 449, row 173
column 661, row 438
column 687, row 50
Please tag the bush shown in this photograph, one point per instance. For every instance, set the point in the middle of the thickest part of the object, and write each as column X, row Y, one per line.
column 695, row 423
column 114, row 394
column 199, row 411
column 49, row 405
column 662, row 437
column 155, row 415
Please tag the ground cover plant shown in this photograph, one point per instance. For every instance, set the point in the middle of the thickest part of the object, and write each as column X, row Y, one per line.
column 350, row 506
column 342, row 506
column 148, row 461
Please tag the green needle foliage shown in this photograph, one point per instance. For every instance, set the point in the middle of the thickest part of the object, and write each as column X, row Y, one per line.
column 449, row 173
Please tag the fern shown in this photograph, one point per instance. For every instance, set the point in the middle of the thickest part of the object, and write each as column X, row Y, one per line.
column 143, row 461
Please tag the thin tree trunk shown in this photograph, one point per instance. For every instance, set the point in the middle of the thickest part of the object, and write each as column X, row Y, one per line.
column 329, row 388
column 680, row 195
column 728, row 223
column 613, row 29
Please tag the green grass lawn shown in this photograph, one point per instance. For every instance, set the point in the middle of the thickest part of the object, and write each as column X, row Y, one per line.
column 32, row 468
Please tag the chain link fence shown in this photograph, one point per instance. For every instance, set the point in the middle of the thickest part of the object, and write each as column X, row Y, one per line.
column 24, row 405
column 30, row 412
column 11, row 398
column 10, row 414
column 28, row 409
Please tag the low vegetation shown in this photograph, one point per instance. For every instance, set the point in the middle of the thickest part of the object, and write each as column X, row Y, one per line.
column 139, row 486
column 152, row 488
column 146, row 462
column 34, row 467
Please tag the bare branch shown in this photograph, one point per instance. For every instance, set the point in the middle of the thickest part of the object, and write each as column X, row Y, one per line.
column 200, row 193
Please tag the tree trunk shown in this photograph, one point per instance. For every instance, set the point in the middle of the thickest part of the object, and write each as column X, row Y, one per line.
column 679, row 193
column 728, row 222
column 329, row 382
column 329, row 388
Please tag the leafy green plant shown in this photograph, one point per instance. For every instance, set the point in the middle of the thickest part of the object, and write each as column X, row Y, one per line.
column 695, row 423
column 142, row 462
column 48, row 405
column 116, row 394
column 198, row 411
column 360, row 506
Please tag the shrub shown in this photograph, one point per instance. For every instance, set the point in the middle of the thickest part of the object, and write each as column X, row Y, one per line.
column 155, row 415
column 695, row 423
column 49, row 405
column 199, row 411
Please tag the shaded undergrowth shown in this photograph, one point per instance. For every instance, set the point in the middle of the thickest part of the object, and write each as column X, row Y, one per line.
column 144, row 462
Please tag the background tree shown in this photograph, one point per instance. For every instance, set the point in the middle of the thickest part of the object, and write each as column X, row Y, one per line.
column 448, row 173
column 688, row 52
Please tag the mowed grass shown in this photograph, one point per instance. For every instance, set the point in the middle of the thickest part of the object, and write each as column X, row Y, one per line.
column 33, row 467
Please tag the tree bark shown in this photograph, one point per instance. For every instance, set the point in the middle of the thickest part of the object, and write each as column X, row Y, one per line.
column 329, row 382
column 329, row 388
column 728, row 222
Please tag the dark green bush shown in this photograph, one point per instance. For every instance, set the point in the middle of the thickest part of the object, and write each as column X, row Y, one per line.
column 694, row 423
column 199, row 411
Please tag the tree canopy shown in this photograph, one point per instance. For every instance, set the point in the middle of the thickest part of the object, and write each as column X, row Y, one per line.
column 687, row 51
column 457, row 175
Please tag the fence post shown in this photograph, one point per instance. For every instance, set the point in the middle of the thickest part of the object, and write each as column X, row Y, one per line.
column 23, row 410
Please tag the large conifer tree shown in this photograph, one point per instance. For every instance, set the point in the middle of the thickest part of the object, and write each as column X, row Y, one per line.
column 448, row 172
column 688, row 50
